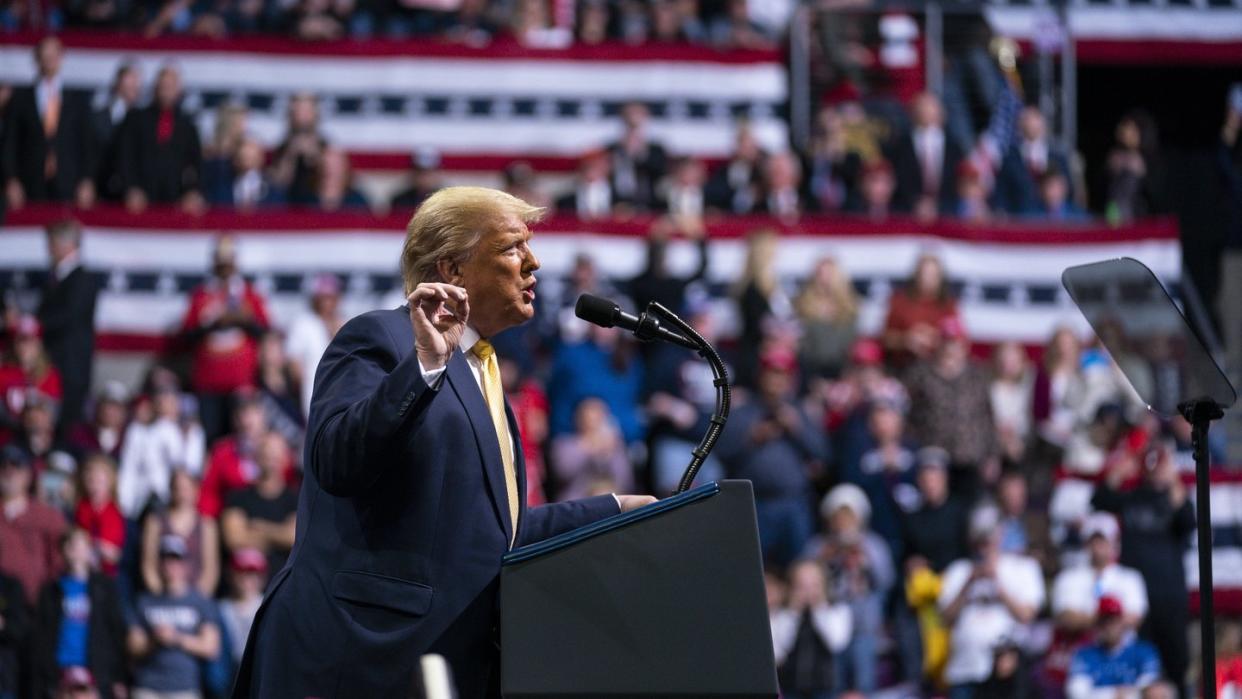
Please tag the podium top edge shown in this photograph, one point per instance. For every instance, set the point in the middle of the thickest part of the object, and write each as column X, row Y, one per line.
column 603, row 526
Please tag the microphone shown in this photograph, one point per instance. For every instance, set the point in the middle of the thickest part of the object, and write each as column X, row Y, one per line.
column 645, row 326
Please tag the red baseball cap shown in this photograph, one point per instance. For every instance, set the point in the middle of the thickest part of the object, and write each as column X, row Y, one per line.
column 28, row 326
column 867, row 352
column 1109, row 607
column 249, row 561
column 951, row 328
column 76, row 677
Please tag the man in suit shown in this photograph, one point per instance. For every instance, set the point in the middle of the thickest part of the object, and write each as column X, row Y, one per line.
column 49, row 149
column 925, row 162
column 107, row 120
column 67, row 314
column 1026, row 162
column 414, row 483
column 160, row 155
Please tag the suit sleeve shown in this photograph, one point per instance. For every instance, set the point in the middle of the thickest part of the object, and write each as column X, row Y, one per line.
column 364, row 397
column 547, row 521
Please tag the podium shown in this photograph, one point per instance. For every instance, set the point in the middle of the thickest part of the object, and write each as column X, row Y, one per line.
column 664, row 601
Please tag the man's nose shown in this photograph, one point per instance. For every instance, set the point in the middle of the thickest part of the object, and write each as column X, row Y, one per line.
column 532, row 262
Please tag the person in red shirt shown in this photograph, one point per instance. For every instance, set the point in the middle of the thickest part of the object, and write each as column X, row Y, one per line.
column 25, row 367
column 916, row 311
column 97, row 512
column 30, row 531
column 530, row 410
column 223, row 325
column 232, row 463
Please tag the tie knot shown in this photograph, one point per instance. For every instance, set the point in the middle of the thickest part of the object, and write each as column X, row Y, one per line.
column 483, row 349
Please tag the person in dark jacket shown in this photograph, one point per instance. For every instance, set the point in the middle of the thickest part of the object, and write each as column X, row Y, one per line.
column 78, row 624
column 160, row 153
column 1157, row 519
column 67, row 314
column 14, row 632
column 48, row 149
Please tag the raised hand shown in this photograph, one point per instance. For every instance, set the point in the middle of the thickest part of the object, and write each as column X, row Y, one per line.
column 438, row 313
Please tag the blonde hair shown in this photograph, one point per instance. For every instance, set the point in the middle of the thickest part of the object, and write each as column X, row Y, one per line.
column 759, row 268
column 450, row 224
column 838, row 290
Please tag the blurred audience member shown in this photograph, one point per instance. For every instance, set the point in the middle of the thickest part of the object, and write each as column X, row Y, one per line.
column 107, row 120
column 228, row 133
column 1156, row 519
column 79, row 623
column 16, row 627
column 860, row 568
column 519, row 179
column 592, row 195
column 67, row 316
column 232, row 464
column 936, row 525
column 160, row 440
column 174, row 630
column 198, row 534
column 1027, row 161
column 887, row 473
column 878, row 187
column 971, row 203
column 26, row 373
column 916, row 311
column 782, row 187
column 1016, row 523
column 772, row 443
column 279, row 393
column 605, row 366
column 97, row 513
column 638, row 163
column 296, row 160
column 334, row 184
column 1054, row 202
column 1010, row 677
column 734, row 28
column 760, row 302
column 423, row 182
column 105, row 433
column 593, row 20
column 593, row 458
column 734, row 186
column 950, row 407
column 310, row 333
column 529, row 404
column 30, row 530
column 243, row 183
column 833, row 167
column 984, row 600
column 248, row 576
column 828, row 310
column 1117, row 663
column 1132, row 187
column 657, row 282
column 810, row 634
column 682, row 196
column 1010, row 394
column 1058, row 386
column 223, row 324
column 262, row 516
column 160, row 155
column 925, row 161
column 48, row 151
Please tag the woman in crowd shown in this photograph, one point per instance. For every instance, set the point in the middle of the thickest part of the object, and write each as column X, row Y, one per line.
column 760, row 300
column 201, row 535
column 1010, row 392
column 916, row 311
column 97, row 512
column 828, row 311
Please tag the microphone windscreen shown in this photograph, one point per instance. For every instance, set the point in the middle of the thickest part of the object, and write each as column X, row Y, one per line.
column 594, row 309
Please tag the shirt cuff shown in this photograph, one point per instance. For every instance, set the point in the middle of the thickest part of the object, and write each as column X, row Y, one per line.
column 614, row 497
column 431, row 378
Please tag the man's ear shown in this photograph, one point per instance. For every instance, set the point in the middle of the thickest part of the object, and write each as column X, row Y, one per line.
column 449, row 271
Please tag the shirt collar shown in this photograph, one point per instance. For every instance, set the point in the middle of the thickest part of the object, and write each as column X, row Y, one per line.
column 468, row 337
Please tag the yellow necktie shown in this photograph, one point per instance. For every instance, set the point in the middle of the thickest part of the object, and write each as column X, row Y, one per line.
column 494, row 394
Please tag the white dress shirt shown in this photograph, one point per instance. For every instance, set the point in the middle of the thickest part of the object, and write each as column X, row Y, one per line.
column 929, row 147
column 434, row 377
column 44, row 91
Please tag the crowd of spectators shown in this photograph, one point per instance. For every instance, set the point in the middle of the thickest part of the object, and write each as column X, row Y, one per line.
column 928, row 520
column 57, row 144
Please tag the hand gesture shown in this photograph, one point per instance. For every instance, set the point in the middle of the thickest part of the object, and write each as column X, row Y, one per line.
column 438, row 313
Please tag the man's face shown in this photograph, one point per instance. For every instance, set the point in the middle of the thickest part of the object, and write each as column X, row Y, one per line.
column 129, row 85
column 47, row 56
column 1101, row 551
column 499, row 276
column 14, row 479
column 1111, row 630
column 168, row 88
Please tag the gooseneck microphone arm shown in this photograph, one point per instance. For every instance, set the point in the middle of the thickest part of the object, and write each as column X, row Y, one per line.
column 717, row 421
column 647, row 327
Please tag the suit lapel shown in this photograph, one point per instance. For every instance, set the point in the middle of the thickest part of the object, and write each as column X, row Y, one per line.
column 519, row 464
column 467, row 389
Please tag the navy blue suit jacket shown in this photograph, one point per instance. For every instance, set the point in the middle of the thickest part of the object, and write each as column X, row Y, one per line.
column 402, row 522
